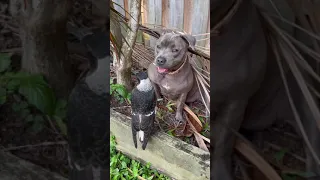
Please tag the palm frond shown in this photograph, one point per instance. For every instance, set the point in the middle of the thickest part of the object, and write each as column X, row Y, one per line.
column 284, row 49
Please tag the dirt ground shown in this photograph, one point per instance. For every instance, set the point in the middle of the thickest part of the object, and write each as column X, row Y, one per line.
column 15, row 133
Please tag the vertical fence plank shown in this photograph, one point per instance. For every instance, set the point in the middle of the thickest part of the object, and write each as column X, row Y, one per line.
column 187, row 16
column 176, row 14
column 191, row 16
column 154, row 13
column 126, row 7
column 165, row 13
column 200, row 17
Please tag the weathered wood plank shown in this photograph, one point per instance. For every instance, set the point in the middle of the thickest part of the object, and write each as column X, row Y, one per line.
column 167, row 154
column 14, row 168
column 200, row 17
column 165, row 13
column 187, row 16
column 176, row 14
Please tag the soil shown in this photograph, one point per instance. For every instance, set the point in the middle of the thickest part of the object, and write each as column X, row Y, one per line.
column 14, row 132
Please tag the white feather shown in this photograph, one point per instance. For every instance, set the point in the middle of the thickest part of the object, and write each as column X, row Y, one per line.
column 141, row 136
column 145, row 85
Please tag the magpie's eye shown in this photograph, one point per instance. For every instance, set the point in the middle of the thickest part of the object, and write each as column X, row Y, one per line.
column 158, row 46
column 175, row 50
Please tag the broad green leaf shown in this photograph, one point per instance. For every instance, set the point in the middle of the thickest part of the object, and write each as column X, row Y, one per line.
column 5, row 62
column 38, row 93
column 13, row 84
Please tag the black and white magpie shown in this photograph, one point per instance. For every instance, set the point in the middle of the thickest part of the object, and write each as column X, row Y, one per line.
column 88, row 113
column 143, row 103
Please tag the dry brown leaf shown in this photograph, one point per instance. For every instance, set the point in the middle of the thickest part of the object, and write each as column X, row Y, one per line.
column 199, row 138
column 247, row 151
column 196, row 121
column 200, row 142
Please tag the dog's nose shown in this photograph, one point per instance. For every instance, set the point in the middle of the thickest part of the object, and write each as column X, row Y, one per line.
column 161, row 60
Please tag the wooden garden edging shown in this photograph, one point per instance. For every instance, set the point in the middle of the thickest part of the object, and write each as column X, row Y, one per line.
column 14, row 168
column 169, row 155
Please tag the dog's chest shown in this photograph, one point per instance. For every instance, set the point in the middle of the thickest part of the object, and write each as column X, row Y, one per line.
column 173, row 86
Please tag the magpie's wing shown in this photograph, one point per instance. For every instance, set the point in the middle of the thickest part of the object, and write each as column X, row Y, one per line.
column 143, row 102
column 88, row 118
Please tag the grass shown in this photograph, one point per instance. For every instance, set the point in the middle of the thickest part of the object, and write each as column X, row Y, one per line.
column 124, row 168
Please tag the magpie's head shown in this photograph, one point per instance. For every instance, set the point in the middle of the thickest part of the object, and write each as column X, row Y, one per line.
column 142, row 76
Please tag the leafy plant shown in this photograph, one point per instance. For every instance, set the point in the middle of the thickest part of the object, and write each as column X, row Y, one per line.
column 122, row 167
column 169, row 106
column 120, row 93
column 30, row 91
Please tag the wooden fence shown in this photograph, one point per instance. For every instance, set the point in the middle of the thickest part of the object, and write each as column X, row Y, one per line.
column 190, row 16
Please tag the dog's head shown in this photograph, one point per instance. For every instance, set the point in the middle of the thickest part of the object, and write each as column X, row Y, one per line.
column 170, row 50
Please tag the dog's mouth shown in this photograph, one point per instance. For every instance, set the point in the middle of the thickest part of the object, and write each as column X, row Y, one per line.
column 162, row 70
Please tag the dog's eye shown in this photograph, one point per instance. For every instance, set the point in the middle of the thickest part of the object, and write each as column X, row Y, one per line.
column 175, row 50
column 158, row 46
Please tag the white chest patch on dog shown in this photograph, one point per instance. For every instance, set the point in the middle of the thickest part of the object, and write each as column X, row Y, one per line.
column 166, row 86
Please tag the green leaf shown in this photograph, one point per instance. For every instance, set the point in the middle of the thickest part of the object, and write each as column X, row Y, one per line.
column 279, row 155
column 60, row 109
column 38, row 93
column 62, row 126
column 5, row 62
column 3, row 95
column 13, row 84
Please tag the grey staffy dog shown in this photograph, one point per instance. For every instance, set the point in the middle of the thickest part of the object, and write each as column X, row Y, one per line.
column 248, row 91
column 171, row 72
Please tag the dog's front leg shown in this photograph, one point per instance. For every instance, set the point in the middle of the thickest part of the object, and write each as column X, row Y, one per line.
column 180, row 104
column 229, row 116
column 156, row 90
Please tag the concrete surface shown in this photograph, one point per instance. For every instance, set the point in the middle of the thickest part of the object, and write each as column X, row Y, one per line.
column 14, row 168
column 167, row 154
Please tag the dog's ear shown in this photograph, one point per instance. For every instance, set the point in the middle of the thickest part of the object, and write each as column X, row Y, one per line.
column 190, row 40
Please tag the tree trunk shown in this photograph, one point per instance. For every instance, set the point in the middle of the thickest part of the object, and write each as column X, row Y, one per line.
column 43, row 35
column 124, row 66
column 115, row 29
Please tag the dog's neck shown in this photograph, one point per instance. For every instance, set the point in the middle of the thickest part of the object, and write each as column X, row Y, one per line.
column 178, row 67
